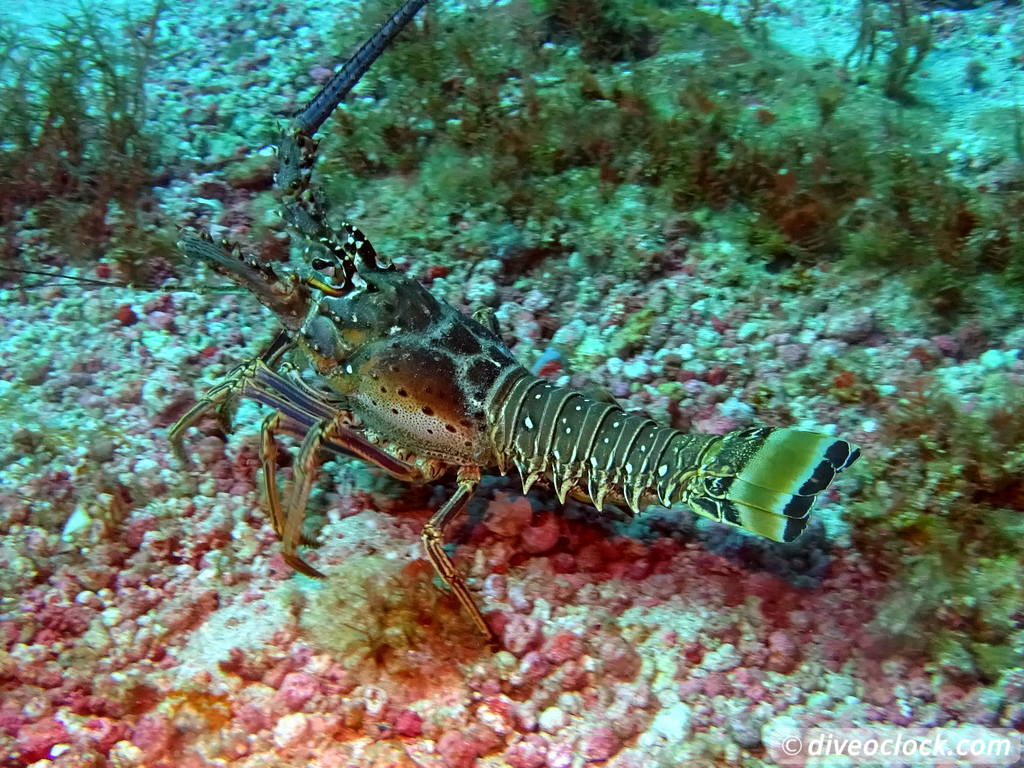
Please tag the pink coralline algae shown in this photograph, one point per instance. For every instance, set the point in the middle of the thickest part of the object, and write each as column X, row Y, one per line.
column 408, row 723
column 600, row 744
column 153, row 734
column 456, row 750
column 562, row 647
column 507, row 515
column 104, row 732
column 296, row 689
column 522, row 634
column 36, row 739
column 541, row 536
column 529, row 753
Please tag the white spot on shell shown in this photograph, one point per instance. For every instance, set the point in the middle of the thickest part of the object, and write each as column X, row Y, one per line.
column 663, row 470
column 528, row 422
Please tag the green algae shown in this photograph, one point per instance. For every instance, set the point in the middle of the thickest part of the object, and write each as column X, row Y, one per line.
column 591, row 155
column 942, row 517
column 74, row 109
column 634, row 333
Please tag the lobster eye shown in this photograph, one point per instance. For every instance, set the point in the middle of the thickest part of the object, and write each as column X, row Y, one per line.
column 320, row 264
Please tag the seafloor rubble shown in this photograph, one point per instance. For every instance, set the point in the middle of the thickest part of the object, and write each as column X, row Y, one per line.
column 147, row 617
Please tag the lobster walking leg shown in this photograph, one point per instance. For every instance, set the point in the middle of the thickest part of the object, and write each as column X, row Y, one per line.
column 276, row 424
column 329, row 434
column 432, row 536
column 223, row 396
column 268, row 462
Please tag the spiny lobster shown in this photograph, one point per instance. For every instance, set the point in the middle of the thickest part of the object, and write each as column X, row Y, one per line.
column 370, row 365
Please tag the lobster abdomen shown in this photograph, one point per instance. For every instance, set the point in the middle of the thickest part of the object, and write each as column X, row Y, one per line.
column 762, row 479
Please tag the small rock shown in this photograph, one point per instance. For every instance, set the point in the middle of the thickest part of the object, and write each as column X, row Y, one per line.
column 320, row 74
column 851, row 326
column 552, row 720
column 35, row 740
column 291, row 730
column 532, row 668
column 126, row 315
column 541, row 537
column 776, row 731
column 600, row 744
column 792, row 354
column 673, row 723
column 721, row 659
column 296, row 689
column 716, row 375
column 455, row 750
column 522, row 634
column 36, row 373
column 561, row 755
column 101, row 450
column 495, row 587
column 250, row 718
column 153, row 735
column 529, row 753
column 408, row 723
column 783, row 652
column 562, row 647
column 507, row 515
column 161, row 321
column 124, row 754
column 745, row 731
column 619, row 660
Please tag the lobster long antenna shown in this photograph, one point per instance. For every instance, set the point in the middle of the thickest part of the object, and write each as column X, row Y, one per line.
column 76, row 280
column 60, row 276
column 308, row 119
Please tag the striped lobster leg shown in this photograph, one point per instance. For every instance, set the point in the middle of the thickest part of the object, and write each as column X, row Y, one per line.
column 763, row 480
column 432, row 538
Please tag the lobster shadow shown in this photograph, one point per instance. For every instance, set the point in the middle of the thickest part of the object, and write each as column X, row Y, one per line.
column 804, row 564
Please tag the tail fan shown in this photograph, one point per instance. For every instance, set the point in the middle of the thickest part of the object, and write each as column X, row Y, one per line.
column 765, row 480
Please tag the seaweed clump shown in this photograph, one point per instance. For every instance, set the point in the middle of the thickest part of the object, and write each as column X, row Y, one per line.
column 74, row 109
column 385, row 618
column 943, row 520
column 505, row 126
column 899, row 32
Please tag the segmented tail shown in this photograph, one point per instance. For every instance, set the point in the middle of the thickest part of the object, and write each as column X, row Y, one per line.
column 763, row 480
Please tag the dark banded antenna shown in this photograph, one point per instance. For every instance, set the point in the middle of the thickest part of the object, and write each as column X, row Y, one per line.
column 308, row 119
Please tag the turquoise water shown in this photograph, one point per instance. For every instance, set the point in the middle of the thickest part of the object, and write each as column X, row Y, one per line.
column 717, row 215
